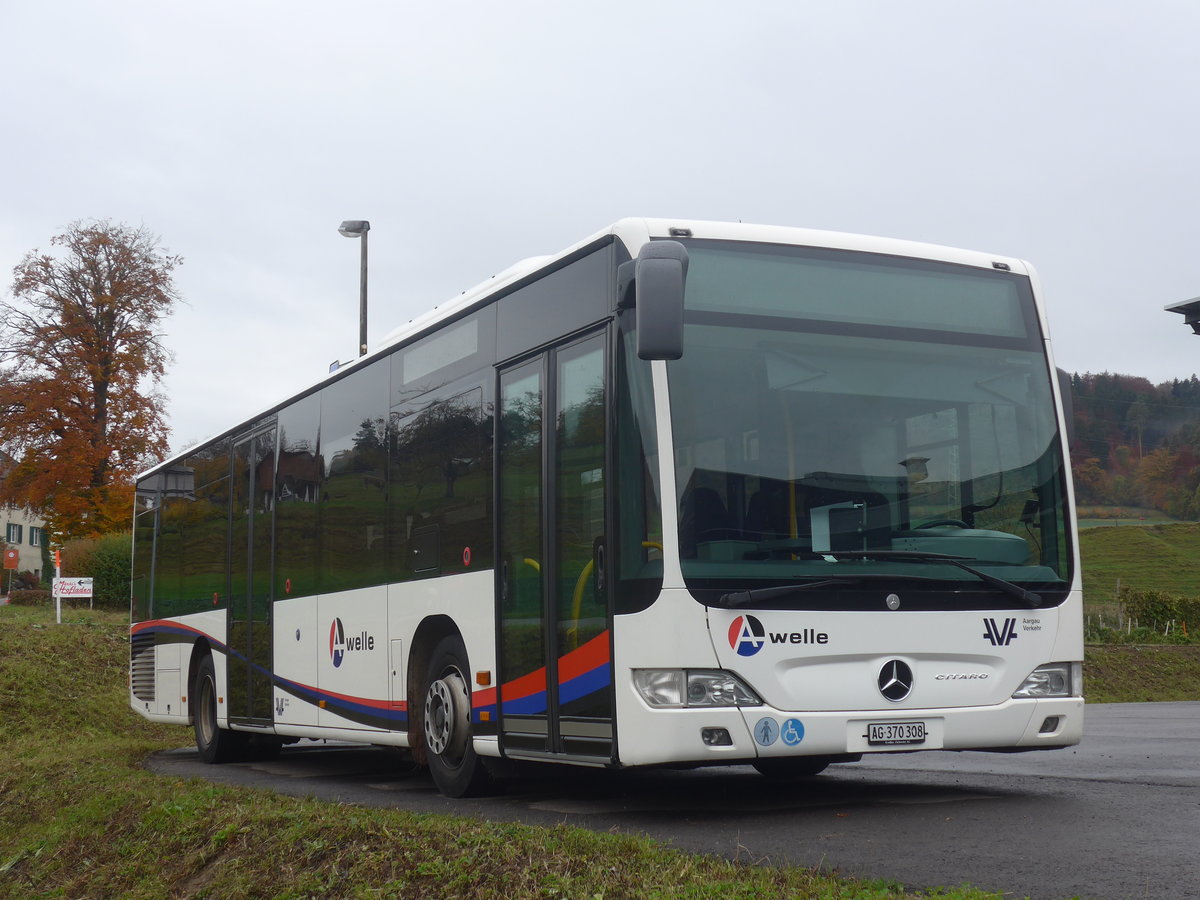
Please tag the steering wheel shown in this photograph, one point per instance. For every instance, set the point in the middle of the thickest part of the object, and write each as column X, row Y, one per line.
column 936, row 522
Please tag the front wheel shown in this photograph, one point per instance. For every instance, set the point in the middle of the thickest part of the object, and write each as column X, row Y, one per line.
column 792, row 766
column 216, row 745
column 456, row 769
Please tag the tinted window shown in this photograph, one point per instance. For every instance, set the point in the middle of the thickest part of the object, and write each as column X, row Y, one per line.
column 523, row 651
column 580, row 418
column 863, row 288
column 206, row 547
column 556, row 305
column 454, row 351
column 143, row 555
column 168, row 556
column 353, row 452
column 192, row 544
column 297, row 490
column 441, row 482
column 639, row 510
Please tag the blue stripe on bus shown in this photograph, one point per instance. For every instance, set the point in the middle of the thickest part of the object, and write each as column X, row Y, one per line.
column 588, row 683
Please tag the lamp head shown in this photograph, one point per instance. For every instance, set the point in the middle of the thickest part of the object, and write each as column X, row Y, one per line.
column 353, row 228
column 1190, row 310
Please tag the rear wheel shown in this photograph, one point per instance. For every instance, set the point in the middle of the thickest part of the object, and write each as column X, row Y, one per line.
column 216, row 745
column 456, row 769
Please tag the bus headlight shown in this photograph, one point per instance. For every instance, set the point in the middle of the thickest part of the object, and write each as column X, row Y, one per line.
column 1064, row 679
column 691, row 688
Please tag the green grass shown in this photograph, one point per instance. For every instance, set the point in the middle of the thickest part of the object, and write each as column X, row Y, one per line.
column 1097, row 516
column 1154, row 557
column 1125, row 673
column 82, row 818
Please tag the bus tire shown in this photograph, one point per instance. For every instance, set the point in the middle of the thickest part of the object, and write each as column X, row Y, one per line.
column 456, row 769
column 792, row 766
column 215, row 745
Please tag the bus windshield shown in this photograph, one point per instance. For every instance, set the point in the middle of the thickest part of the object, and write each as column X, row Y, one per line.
column 844, row 419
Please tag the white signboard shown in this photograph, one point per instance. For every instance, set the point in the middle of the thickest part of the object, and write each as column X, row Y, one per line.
column 72, row 587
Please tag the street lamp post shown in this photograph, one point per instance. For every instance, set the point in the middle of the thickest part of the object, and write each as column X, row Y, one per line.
column 358, row 228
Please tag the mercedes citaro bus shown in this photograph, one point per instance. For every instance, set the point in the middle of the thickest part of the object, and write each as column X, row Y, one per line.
column 686, row 493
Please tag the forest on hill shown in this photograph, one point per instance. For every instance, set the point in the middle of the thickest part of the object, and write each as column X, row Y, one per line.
column 1136, row 443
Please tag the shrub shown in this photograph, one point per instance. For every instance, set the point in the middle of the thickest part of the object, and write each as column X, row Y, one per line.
column 106, row 560
column 1157, row 610
column 29, row 598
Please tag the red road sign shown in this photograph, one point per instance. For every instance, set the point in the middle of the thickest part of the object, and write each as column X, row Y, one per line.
column 11, row 558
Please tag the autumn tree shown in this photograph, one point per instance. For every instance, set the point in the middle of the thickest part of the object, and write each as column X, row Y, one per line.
column 81, row 363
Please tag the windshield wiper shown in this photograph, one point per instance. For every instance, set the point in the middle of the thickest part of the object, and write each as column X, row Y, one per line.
column 1029, row 598
column 754, row 596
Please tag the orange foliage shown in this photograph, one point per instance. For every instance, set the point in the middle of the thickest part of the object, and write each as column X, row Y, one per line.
column 81, row 362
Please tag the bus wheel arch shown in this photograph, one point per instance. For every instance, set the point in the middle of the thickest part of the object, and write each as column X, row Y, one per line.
column 425, row 639
column 445, row 730
column 200, row 650
column 213, row 743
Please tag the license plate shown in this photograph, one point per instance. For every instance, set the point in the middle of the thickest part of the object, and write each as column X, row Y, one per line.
column 896, row 733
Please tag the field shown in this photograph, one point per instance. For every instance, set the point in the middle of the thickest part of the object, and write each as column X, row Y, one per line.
column 1096, row 516
column 82, row 818
column 1152, row 557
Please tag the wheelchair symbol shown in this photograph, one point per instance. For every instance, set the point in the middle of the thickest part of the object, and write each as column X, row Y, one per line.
column 793, row 732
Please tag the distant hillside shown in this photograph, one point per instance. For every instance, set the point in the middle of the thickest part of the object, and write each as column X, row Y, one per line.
column 1137, row 444
column 1152, row 557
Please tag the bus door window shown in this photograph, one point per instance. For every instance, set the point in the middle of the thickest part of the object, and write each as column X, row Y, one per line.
column 520, row 506
column 249, row 615
column 580, row 417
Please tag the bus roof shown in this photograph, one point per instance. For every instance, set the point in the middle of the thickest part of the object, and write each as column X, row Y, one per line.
column 633, row 233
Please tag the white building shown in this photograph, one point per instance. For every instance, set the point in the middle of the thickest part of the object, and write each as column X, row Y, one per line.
column 24, row 532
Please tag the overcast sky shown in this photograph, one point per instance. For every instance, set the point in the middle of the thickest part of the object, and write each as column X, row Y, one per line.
column 472, row 135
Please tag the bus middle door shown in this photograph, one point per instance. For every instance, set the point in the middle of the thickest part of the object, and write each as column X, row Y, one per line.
column 249, row 611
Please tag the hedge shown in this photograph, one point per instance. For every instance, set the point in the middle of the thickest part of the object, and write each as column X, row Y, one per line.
column 1158, row 609
column 29, row 597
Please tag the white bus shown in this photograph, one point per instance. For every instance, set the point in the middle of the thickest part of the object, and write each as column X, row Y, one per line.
column 686, row 493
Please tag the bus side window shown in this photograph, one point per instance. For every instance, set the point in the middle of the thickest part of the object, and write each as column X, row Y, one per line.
column 440, row 474
column 353, row 452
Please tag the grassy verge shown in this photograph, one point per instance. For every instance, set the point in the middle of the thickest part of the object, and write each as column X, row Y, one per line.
column 1137, row 673
column 82, row 818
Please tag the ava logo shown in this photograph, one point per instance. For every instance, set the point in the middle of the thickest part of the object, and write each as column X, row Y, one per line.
column 746, row 635
column 337, row 643
column 1000, row 635
column 340, row 643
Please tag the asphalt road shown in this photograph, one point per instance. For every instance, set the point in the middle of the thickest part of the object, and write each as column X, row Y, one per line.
column 1116, row 817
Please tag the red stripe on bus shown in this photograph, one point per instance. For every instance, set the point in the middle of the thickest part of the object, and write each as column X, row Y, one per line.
column 592, row 655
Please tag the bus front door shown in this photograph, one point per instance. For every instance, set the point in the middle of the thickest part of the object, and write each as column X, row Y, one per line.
column 249, row 624
column 552, row 575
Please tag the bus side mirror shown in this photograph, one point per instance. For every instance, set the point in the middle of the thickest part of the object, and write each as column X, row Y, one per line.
column 660, row 275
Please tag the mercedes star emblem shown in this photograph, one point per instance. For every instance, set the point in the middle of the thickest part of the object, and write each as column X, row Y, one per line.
column 895, row 680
